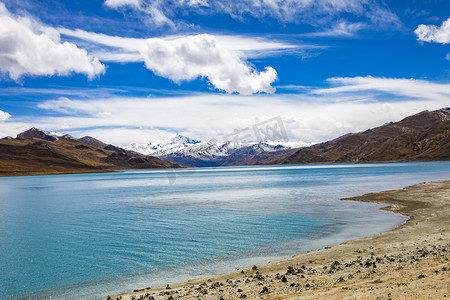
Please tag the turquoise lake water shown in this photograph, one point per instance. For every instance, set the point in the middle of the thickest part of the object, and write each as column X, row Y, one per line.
column 89, row 235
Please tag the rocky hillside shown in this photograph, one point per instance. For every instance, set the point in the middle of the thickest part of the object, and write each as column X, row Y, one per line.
column 421, row 137
column 38, row 152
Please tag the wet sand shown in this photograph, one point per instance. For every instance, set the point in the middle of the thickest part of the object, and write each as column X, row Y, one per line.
column 409, row 262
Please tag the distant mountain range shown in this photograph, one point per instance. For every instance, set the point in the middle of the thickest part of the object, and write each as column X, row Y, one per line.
column 206, row 154
column 421, row 137
column 38, row 152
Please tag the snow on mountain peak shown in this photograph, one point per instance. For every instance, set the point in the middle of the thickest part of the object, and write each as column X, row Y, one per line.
column 182, row 140
column 182, row 147
column 164, row 147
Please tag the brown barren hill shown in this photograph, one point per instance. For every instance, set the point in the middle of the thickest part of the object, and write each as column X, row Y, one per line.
column 421, row 137
column 38, row 152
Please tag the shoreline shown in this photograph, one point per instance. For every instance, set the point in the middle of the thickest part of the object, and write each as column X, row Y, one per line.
column 101, row 171
column 410, row 261
column 22, row 174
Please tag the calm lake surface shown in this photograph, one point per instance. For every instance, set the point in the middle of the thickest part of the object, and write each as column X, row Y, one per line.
column 89, row 235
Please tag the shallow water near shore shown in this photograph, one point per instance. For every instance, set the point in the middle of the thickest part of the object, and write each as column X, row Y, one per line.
column 89, row 235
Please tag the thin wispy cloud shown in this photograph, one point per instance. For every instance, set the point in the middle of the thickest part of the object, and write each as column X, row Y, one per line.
column 409, row 88
column 121, row 3
column 339, row 29
column 251, row 46
column 74, row 91
column 30, row 48
column 315, row 13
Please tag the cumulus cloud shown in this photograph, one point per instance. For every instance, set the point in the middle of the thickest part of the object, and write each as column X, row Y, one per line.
column 29, row 48
column 316, row 13
column 434, row 34
column 222, row 60
column 188, row 58
column 4, row 116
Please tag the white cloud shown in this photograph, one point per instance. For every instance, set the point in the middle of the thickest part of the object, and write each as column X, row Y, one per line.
column 316, row 13
column 197, row 3
column 20, row 91
column 447, row 57
column 432, row 33
column 13, row 128
column 318, row 114
column 126, row 49
column 156, row 16
column 222, row 60
column 339, row 29
column 124, row 136
column 212, row 116
column 382, row 16
column 188, row 58
column 120, row 3
column 4, row 116
column 256, row 47
column 410, row 88
column 29, row 48
column 311, row 117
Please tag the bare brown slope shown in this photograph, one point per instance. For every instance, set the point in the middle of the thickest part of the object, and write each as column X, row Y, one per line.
column 421, row 137
column 30, row 156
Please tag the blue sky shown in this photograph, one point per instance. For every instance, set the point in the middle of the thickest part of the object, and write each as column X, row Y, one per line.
column 130, row 71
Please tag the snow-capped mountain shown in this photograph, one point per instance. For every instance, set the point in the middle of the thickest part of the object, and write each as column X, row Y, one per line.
column 168, row 146
column 200, row 153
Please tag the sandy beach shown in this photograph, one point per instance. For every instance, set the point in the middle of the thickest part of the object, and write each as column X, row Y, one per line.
column 409, row 262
